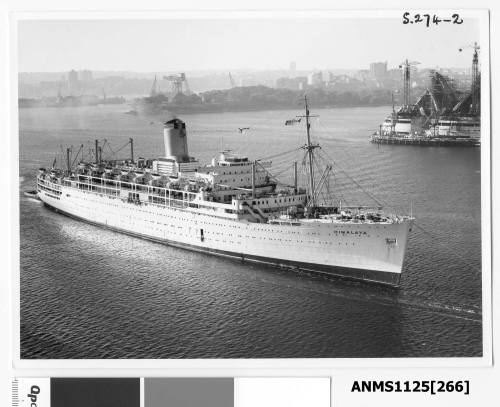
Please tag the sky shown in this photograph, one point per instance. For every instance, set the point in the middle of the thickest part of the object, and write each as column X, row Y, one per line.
column 238, row 44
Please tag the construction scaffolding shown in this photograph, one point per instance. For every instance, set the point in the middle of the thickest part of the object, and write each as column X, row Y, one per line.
column 179, row 83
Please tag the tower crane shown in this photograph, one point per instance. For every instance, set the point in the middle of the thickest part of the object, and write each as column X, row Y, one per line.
column 475, row 88
column 179, row 82
column 474, row 46
column 406, row 66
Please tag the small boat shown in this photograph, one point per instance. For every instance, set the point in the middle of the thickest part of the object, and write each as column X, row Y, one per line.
column 31, row 194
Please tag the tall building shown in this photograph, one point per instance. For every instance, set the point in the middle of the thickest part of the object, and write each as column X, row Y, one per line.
column 301, row 81
column 378, row 70
column 72, row 81
column 315, row 79
column 328, row 76
column 293, row 68
column 85, row 75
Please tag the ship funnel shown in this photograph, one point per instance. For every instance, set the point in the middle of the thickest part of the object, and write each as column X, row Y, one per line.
column 175, row 138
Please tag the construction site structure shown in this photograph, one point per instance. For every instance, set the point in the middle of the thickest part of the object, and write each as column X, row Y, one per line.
column 475, row 105
column 442, row 115
column 179, row 83
column 406, row 66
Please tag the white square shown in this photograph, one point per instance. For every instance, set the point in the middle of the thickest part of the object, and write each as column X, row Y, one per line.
column 282, row 392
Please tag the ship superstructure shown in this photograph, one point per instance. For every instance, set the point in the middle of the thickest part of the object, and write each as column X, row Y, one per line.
column 231, row 207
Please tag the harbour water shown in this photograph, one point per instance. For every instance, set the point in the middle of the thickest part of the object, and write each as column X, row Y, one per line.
column 87, row 292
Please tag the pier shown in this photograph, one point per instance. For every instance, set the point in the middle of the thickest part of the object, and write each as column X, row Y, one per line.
column 425, row 141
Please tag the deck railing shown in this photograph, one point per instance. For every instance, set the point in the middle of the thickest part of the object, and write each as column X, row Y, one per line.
column 140, row 193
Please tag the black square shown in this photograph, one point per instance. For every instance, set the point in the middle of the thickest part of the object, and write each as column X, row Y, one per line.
column 95, row 392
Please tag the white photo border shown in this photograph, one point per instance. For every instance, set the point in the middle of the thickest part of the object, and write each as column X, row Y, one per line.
column 215, row 367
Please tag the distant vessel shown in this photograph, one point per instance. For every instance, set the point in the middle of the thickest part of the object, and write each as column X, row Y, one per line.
column 232, row 207
column 439, row 117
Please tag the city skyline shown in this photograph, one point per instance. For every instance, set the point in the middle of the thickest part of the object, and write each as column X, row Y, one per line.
column 250, row 44
column 224, row 71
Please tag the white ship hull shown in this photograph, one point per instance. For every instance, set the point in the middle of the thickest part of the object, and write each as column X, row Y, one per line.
column 362, row 251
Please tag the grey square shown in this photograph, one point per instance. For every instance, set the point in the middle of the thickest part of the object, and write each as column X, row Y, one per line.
column 188, row 392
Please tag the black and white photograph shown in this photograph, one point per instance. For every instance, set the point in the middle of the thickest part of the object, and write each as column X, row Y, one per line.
column 278, row 186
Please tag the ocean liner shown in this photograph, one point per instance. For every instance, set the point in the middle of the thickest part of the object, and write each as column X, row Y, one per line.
column 231, row 207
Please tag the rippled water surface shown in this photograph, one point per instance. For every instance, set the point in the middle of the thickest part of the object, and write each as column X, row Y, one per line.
column 87, row 292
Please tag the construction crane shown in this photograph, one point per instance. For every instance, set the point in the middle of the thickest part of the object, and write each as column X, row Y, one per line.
column 406, row 66
column 475, row 88
column 231, row 80
column 179, row 82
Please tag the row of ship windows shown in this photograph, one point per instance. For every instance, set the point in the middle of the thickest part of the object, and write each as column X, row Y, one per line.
column 52, row 196
column 238, row 236
column 234, row 180
column 54, row 191
column 352, row 233
column 202, row 233
column 241, row 236
column 266, row 201
column 44, row 183
column 268, row 230
column 136, row 209
column 314, row 242
column 236, row 172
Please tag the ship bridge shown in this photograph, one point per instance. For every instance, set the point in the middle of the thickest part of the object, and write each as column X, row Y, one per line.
column 228, row 158
column 233, row 172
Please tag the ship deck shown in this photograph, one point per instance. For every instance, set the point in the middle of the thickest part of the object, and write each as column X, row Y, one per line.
column 140, row 194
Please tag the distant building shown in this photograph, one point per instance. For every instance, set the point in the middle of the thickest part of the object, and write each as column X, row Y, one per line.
column 378, row 70
column 72, row 81
column 247, row 82
column 315, row 79
column 285, row 83
column 85, row 75
column 297, row 83
column 394, row 73
column 339, row 79
column 362, row 75
column 328, row 77
column 270, row 83
column 292, row 69
column 301, row 81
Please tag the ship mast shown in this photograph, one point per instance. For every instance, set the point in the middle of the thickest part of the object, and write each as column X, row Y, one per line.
column 309, row 147
column 310, row 154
